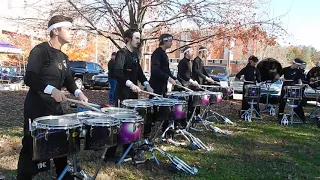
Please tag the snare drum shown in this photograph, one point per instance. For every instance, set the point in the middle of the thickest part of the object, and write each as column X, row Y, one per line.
column 252, row 91
column 101, row 132
column 180, row 109
column 293, row 92
column 54, row 137
column 162, row 110
column 131, row 128
column 143, row 107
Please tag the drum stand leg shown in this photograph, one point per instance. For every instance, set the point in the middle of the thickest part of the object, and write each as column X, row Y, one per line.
column 191, row 119
column 209, row 114
column 268, row 107
column 100, row 163
column 313, row 113
column 195, row 143
column 285, row 120
column 170, row 140
column 78, row 174
column 150, row 148
column 125, row 154
column 247, row 115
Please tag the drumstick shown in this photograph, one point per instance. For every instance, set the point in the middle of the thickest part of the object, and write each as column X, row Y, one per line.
column 154, row 94
column 184, row 87
column 204, row 89
column 87, row 105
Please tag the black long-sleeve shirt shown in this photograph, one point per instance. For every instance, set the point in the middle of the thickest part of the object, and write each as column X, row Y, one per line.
column 48, row 66
column 198, row 72
column 184, row 70
column 110, row 68
column 127, row 67
column 160, row 66
column 291, row 74
column 251, row 73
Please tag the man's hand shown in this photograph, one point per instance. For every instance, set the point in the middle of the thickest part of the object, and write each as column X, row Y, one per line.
column 58, row 95
column 134, row 88
column 82, row 97
column 172, row 81
column 194, row 83
column 210, row 80
column 149, row 88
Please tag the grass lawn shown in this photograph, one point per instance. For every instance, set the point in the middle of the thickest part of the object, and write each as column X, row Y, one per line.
column 256, row 150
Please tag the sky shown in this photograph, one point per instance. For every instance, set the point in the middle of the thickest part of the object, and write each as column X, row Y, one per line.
column 302, row 20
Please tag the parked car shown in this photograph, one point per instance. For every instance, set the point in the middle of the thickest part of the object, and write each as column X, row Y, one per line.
column 221, row 75
column 100, row 81
column 12, row 74
column 84, row 71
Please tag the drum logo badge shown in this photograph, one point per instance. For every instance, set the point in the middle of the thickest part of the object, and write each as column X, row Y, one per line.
column 115, row 131
column 75, row 134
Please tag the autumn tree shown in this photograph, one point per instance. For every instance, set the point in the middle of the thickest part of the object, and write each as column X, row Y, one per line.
column 224, row 18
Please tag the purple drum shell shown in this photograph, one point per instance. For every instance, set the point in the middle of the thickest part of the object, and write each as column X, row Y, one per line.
column 179, row 111
column 130, row 132
column 205, row 99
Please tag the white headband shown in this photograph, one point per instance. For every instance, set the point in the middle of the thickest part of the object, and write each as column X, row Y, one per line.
column 187, row 50
column 167, row 39
column 297, row 63
column 203, row 50
column 60, row 24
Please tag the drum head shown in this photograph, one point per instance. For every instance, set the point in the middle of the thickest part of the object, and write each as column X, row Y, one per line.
column 102, row 121
column 313, row 78
column 161, row 102
column 269, row 68
column 136, row 103
column 127, row 117
column 84, row 115
column 116, row 110
column 56, row 122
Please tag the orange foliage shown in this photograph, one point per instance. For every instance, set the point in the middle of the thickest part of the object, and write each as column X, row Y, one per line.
column 81, row 53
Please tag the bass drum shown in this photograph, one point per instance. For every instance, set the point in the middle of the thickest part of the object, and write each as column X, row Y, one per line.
column 313, row 78
column 269, row 68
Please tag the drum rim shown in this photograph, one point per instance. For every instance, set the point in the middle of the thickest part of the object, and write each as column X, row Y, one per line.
column 38, row 125
column 136, row 103
column 135, row 118
column 118, row 109
column 111, row 122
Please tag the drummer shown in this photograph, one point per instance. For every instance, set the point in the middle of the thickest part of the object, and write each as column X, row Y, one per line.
column 251, row 75
column 160, row 72
column 184, row 74
column 127, row 71
column 47, row 72
column 292, row 76
column 199, row 73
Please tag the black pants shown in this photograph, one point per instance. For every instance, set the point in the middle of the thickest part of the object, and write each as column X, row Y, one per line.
column 35, row 107
column 298, row 109
column 28, row 168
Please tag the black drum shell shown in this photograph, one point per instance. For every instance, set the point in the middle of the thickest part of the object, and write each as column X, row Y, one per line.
column 195, row 100
column 162, row 113
column 100, row 137
column 145, row 112
column 57, row 145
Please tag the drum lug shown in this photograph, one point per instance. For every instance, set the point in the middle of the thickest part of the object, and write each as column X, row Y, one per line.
column 91, row 131
column 134, row 127
column 118, row 129
column 46, row 135
column 110, row 131
column 68, row 134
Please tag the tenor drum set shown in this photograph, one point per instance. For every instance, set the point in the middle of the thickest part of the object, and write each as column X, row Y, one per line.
column 102, row 128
